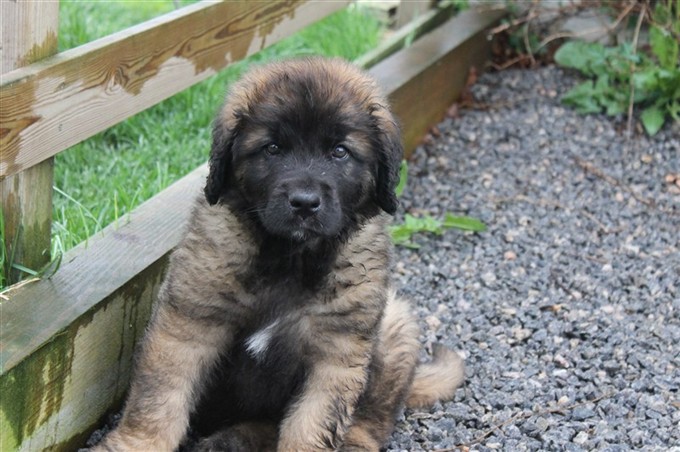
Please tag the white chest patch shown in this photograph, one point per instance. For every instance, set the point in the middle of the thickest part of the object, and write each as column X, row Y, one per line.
column 258, row 343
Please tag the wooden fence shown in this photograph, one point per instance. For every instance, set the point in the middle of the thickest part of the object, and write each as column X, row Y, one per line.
column 66, row 342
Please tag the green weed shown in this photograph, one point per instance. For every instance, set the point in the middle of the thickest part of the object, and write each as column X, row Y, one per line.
column 403, row 178
column 402, row 233
column 622, row 76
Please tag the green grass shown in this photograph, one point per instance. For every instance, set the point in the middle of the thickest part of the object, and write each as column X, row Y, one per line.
column 83, row 21
column 100, row 180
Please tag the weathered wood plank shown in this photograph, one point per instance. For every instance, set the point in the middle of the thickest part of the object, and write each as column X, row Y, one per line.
column 94, row 270
column 56, row 103
column 406, row 34
column 67, row 341
column 28, row 33
column 54, row 400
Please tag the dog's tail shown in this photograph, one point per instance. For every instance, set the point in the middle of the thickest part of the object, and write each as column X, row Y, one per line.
column 436, row 380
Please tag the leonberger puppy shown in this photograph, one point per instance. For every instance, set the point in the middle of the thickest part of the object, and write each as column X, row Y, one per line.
column 276, row 327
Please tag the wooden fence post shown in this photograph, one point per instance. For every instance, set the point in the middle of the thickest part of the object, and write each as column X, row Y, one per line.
column 29, row 33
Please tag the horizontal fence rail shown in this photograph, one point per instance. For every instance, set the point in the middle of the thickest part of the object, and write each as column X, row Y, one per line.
column 60, row 101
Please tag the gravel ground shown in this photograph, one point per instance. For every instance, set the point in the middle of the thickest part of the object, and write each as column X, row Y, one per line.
column 567, row 308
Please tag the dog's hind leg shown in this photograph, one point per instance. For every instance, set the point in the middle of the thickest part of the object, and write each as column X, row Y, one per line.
column 391, row 374
column 244, row 437
column 396, row 379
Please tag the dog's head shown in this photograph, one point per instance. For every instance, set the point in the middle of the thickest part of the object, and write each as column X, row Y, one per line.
column 307, row 147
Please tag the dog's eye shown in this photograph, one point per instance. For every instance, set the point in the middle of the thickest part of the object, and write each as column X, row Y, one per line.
column 272, row 149
column 340, row 152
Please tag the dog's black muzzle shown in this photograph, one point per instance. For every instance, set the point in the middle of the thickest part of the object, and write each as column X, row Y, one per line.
column 304, row 202
column 303, row 207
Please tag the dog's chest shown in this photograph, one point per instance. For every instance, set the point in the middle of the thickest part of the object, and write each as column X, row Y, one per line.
column 258, row 376
column 283, row 300
column 258, row 343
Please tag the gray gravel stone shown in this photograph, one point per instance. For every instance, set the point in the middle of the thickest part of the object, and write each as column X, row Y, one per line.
column 567, row 308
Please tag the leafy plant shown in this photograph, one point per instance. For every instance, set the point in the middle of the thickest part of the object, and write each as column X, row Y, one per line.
column 620, row 76
column 403, row 177
column 402, row 233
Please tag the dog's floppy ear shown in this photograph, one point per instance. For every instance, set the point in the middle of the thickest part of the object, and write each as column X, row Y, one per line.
column 220, row 158
column 389, row 160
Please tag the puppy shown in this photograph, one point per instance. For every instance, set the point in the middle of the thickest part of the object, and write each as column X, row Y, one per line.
column 276, row 327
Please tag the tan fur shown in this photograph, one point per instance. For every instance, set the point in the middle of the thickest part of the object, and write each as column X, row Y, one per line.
column 437, row 380
column 356, row 341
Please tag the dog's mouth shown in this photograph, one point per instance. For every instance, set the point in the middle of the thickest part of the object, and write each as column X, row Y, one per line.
column 306, row 230
column 297, row 228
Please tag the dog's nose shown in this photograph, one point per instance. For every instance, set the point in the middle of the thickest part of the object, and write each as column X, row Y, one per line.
column 304, row 203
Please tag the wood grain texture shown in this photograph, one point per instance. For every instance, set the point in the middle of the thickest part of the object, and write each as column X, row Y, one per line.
column 28, row 33
column 56, row 103
column 69, row 339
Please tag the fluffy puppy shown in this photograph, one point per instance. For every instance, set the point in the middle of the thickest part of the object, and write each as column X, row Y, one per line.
column 276, row 327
